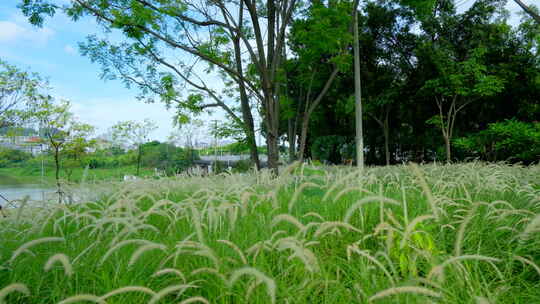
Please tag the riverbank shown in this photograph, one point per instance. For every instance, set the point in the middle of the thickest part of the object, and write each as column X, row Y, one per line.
column 7, row 177
column 17, row 192
column 20, row 176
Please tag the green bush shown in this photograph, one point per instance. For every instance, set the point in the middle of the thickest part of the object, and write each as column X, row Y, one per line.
column 219, row 167
column 33, row 165
column 332, row 149
column 238, row 148
column 510, row 140
column 242, row 166
column 167, row 157
column 127, row 159
column 12, row 157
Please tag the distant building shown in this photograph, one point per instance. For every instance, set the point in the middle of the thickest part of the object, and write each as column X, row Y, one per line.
column 205, row 163
column 30, row 144
column 101, row 144
column 231, row 158
column 201, row 145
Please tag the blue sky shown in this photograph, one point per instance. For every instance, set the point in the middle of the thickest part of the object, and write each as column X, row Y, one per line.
column 52, row 51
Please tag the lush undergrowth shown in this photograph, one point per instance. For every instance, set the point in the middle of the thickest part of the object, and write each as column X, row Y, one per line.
column 442, row 234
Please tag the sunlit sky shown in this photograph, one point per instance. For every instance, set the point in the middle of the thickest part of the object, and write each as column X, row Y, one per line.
column 52, row 51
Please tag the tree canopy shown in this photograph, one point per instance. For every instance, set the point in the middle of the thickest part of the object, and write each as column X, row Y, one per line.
column 432, row 72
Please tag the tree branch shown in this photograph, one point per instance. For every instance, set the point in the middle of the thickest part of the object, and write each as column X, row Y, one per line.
column 528, row 10
column 169, row 41
column 324, row 90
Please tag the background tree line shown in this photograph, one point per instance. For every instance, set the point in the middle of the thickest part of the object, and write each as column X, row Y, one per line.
column 39, row 134
column 440, row 85
column 438, row 82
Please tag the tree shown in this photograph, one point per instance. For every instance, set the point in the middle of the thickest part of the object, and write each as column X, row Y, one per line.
column 509, row 140
column 397, row 62
column 167, row 157
column 321, row 44
column 133, row 134
column 61, row 130
column 424, row 8
column 76, row 149
column 227, row 129
column 358, row 98
column 387, row 52
column 421, row 61
column 217, row 33
column 459, row 63
column 18, row 90
column 188, row 135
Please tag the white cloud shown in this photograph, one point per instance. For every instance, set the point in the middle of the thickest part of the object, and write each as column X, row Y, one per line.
column 103, row 113
column 15, row 32
column 70, row 50
column 9, row 31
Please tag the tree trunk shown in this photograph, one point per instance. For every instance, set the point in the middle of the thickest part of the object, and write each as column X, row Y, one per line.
column 291, row 136
column 273, row 152
column 385, row 126
column 253, row 152
column 310, row 108
column 358, row 97
column 528, row 10
column 303, row 137
column 249, row 127
column 139, row 160
column 386, row 131
column 57, row 172
column 272, row 136
column 448, row 148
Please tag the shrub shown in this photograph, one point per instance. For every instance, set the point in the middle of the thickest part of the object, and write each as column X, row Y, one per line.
column 331, row 149
column 219, row 167
column 510, row 140
column 33, row 165
column 242, row 166
column 12, row 157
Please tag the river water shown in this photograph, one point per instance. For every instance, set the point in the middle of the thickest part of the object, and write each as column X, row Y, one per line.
column 14, row 192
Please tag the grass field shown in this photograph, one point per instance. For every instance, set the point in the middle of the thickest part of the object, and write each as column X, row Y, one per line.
column 464, row 233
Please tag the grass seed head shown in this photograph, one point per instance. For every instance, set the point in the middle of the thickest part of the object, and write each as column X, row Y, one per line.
column 195, row 300
column 179, row 289
column 257, row 274
column 404, row 289
column 18, row 287
column 81, row 298
column 127, row 289
column 62, row 259
column 28, row 245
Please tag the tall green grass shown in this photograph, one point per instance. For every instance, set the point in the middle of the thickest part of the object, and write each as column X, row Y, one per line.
column 466, row 233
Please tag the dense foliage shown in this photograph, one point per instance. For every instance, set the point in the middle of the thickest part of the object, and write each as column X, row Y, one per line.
column 511, row 140
column 432, row 72
column 18, row 92
column 166, row 158
column 12, row 157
